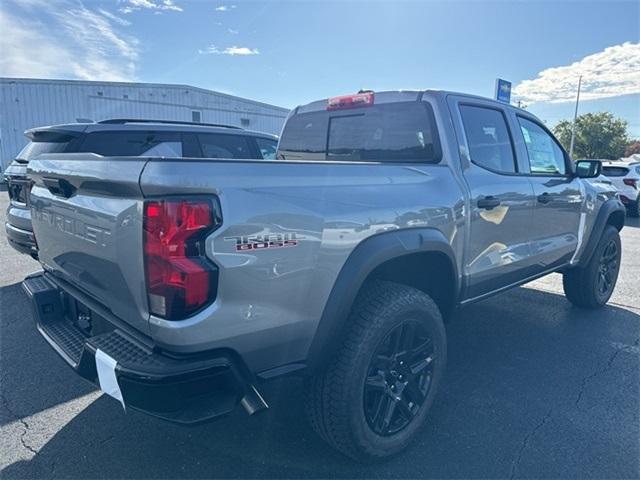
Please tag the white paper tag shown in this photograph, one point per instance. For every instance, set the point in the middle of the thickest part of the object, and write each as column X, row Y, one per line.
column 106, row 367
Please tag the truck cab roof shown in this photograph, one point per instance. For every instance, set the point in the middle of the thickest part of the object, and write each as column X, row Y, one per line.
column 396, row 96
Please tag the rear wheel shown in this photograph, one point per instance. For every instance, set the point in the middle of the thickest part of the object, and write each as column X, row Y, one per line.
column 591, row 286
column 375, row 394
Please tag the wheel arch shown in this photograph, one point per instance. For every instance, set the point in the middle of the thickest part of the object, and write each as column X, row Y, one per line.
column 404, row 256
column 612, row 212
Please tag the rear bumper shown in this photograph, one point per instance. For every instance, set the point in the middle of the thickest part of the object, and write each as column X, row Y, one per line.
column 21, row 240
column 183, row 389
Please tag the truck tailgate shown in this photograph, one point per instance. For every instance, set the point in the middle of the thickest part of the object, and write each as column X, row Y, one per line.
column 87, row 218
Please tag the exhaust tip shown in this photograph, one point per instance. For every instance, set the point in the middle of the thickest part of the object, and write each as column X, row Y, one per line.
column 253, row 402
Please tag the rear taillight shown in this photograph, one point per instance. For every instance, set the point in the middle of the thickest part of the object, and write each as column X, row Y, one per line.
column 632, row 182
column 180, row 279
column 350, row 101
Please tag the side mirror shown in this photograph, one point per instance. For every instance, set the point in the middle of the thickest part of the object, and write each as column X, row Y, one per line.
column 588, row 168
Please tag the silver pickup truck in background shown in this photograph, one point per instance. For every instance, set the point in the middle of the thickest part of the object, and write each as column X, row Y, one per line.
column 179, row 285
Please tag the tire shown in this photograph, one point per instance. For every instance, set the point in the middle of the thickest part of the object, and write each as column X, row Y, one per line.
column 583, row 285
column 344, row 401
column 634, row 208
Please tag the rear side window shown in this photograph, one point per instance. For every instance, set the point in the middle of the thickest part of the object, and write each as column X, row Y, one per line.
column 394, row 132
column 267, row 148
column 545, row 155
column 45, row 142
column 133, row 144
column 488, row 138
column 216, row 145
column 615, row 171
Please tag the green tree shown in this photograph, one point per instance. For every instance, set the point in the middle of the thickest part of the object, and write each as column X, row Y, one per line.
column 598, row 135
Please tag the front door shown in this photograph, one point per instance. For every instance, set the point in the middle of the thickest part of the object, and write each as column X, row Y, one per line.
column 559, row 198
column 501, row 200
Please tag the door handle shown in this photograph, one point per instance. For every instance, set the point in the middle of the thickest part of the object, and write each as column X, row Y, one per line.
column 545, row 198
column 488, row 202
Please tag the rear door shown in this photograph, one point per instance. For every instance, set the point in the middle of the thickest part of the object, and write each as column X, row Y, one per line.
column 558, row 195
column 501, row 205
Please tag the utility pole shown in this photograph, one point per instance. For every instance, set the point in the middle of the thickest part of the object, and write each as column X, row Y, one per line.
column 575, row 116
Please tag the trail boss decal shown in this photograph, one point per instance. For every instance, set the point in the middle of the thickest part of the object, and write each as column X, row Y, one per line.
column 262, row 242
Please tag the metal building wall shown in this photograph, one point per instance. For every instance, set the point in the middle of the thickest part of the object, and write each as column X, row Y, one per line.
column 27, row 103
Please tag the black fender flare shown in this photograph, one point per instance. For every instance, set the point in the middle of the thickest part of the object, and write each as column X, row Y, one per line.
column 369, row 254
column 607, row 209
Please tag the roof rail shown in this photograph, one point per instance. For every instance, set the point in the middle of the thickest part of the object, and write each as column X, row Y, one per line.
column 122, row 121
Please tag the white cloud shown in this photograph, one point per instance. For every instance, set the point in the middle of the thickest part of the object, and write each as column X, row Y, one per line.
column 115, row 18
column 67, row 41
column 157, row 6
column 232, row 31
column 233, row 51
column 225, row 8
column 612, row 72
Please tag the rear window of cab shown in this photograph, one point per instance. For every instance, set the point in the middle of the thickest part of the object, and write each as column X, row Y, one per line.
column 391, row 132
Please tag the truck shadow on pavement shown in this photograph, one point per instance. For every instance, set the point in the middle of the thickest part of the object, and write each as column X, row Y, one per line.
column 534, row 387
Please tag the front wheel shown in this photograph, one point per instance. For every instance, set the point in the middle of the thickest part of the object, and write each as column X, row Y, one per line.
column 592, row 285
column 375, row 394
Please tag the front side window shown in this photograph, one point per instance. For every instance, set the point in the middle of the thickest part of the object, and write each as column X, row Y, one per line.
column 488, row 138
column 267, row 148
column 216, row 145
column 545, row 155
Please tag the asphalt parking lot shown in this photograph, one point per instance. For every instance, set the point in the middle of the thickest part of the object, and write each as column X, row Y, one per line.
column 534, row 389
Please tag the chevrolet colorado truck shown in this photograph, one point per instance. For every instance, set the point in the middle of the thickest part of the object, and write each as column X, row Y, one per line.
column 179, row 285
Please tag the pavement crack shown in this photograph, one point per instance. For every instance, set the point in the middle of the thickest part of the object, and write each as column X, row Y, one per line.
column 601, row 371
column 525, row 443
column 22, row 421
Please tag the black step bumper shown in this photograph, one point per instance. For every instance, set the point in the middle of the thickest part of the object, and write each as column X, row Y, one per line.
column 183, row 389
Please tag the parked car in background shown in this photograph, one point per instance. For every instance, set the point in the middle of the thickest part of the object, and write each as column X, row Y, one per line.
column 123, row 138
column 626, row 177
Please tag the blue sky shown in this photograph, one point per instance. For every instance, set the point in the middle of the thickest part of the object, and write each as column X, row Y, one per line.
column 287, row 53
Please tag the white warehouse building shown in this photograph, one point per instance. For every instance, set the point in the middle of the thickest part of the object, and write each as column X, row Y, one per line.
column 27, row 103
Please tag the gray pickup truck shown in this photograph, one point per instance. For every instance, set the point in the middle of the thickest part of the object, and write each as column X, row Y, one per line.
column 178, row 286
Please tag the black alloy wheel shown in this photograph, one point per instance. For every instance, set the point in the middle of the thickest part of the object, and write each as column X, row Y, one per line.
column 608, row 268
column 399, row 378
